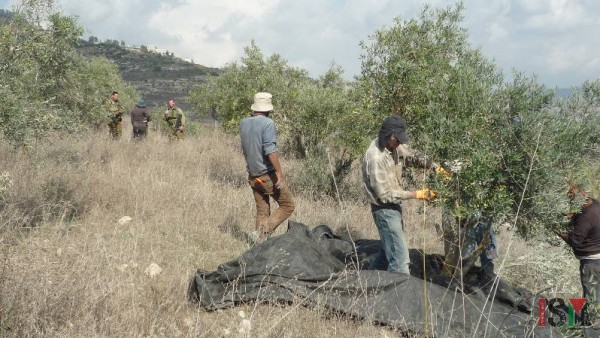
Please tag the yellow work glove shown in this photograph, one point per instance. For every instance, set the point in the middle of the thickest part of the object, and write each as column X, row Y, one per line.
column 425, row 194
column 442, row 171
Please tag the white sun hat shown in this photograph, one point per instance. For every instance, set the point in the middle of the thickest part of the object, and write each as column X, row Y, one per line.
column 262, row 102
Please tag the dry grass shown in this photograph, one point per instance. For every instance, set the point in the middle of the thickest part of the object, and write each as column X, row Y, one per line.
column 68, row 268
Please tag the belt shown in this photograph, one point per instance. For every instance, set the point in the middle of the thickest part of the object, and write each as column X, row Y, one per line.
column 265, row 174
column 393, row 206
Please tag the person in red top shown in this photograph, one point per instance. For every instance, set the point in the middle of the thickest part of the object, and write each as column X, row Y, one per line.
column 584, row 239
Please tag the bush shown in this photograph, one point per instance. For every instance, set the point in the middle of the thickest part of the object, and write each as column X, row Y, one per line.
column 45, row 85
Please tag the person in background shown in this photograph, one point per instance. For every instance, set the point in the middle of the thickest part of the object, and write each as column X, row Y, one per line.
column 584, row 239
column 115, row 115
column 175, row 121
column 139, row 120
column 265, row 175
column 381, row 171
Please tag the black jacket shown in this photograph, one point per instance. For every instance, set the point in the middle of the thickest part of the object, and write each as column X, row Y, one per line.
column 585, row 236
column 139, row 117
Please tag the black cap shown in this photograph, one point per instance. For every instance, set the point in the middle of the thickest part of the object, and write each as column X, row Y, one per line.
column 393, row 124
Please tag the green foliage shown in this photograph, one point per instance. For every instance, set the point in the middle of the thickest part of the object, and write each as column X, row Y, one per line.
column 231, row 93
column 193, row 128
column 97, row 79
column 312, row 116
column 516, row 148
column 45, row 84
column 154, row 74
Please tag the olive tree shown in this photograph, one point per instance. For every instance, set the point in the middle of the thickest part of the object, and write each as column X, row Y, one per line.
column 514, row 148
column 313, row 116
column 45, row 84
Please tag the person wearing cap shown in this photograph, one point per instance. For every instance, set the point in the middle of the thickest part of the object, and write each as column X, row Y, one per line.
column 381, row 171
column 114, row 112
column 584, row 239
column 175, row 121
column 265, row 175
column 139, row 119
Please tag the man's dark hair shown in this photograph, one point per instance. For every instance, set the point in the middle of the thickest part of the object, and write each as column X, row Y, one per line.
column 115, row 93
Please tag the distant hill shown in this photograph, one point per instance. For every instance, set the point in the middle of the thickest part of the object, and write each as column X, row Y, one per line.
column 157, row 75
column 5, row 15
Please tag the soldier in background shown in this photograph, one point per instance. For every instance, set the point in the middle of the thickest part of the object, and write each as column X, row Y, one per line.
column 175, row 121
column 139, row 120
column 115, row 115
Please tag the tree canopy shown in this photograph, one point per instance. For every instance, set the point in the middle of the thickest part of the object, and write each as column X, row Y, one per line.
column 511, row 149
column 45, row 84
column 313, row 116
column 511, row 146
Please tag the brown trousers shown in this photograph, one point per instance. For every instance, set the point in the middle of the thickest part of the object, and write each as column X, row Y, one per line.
column 267, row 222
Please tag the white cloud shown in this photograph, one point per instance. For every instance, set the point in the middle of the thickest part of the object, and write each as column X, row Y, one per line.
column 557, row 15
column 556, row 39
column 572, row 59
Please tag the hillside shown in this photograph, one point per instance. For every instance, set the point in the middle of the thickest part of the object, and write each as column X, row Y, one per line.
column 5, row 16
column 71, row 269
column 158, row 76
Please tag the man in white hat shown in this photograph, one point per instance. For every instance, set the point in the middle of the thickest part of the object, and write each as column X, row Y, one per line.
column 265, row 176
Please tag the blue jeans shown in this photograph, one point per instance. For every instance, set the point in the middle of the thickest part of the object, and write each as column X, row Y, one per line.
column 589, row 272
column 388, row 219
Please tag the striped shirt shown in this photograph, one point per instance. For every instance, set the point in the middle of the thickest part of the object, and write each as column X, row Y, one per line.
column 382, row 172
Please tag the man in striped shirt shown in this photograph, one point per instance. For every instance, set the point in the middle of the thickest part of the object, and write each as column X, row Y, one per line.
column 382, row 178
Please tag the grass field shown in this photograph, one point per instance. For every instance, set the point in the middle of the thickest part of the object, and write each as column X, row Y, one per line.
column 69, row 268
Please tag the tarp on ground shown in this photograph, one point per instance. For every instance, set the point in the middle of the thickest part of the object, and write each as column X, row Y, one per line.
column 319, row 269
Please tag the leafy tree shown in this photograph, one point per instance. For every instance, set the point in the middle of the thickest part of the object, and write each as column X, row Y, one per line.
column 97, row 78
column 309, row 113
column 231, row 93
column 45, row 84
column 515, row 149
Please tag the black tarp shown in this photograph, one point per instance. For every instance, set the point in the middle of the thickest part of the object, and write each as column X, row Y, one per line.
column 319, row 269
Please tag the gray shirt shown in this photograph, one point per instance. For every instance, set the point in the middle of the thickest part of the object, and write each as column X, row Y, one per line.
column 259, row 139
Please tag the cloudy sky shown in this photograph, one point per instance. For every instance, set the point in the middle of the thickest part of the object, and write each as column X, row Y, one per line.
column 558, row 40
